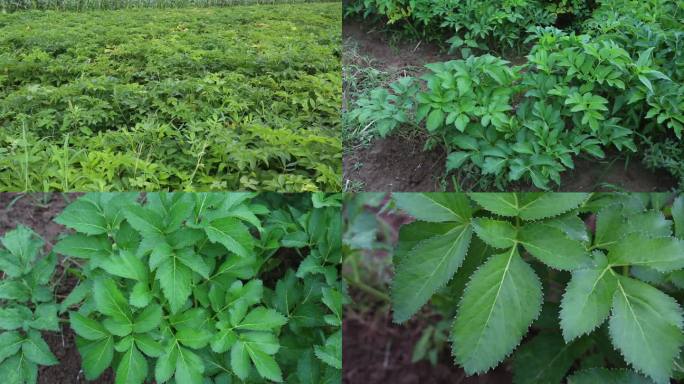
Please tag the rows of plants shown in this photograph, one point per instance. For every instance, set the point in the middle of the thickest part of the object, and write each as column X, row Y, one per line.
column 598, row 77
column 181, row 288
column 240, row 98
column 84, row 5
column 560, row 287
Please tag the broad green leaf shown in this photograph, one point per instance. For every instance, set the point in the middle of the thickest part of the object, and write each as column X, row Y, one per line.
column 553, row 247
column 194, row 261
column 126, row 265
column 76, row 296
column 435, row 207
column 14, row 290
column 23, row 243
column 14, row 317
column 84, row 246
column 223, row 341
column 586, row 302
column 529, row 206
column 96, row 356
column 546, row 359
column 651, row 223
column 646, row 326
column 550, row 204
column 10, row 343
column 132, row 368
column 194, row 338
column 607, row 376
column 664, row 254
column 45, row 318
column 428, row 267
column 232, row 234
column 145, row 221
column 264, row 364
column 262, row 319
column 609, row 226
column 239, row 360
column 189, row 367
column 498, row 234
column 140, row 295
column 333, row 300
column 18, row 370
column 44, row 268
column 148, row 345
column 175, row 280
column 166, row 364
column 36, row 350
column 118, row 326
column 502, row 204
column 110, row 301
column 84, row 215
column 148, row 319
column 331, row 352
column 499, row 304
column 87, row 328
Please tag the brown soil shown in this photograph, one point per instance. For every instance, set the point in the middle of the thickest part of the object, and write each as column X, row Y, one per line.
column 398, row 163
column 391, row 55
column 37, row 212
column 395, row 164
column 375, row 350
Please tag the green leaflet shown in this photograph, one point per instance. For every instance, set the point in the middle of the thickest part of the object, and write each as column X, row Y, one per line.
column 553, row 247
column 83, row 246
column 18, row 370
column 85, row 216
column 587, row 301
column 435, row 207
column 646, row 326
column 110, row 300
column 546, row 359
column 87, row 328
column 500, row 302
column 664, row 254
column 132, row 368
column 427, row 267
column 232, row 234
column 529, row 206
column 175, row 280
column 10, row 343
column 498, row 234
column 36, row 350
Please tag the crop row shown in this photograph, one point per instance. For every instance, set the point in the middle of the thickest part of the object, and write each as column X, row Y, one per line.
column 84, row 5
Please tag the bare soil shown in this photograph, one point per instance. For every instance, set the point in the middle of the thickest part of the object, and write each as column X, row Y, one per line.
column 37, row 212
column 398, row 163
column 377, row 351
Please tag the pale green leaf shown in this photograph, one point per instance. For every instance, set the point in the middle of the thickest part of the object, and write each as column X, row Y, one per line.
column 36, row 350
column 87, row 328
column 132, row 368
column 664, row 254
column 175, row 280
column 232, row 234
column 96, row 356
column 553, row 247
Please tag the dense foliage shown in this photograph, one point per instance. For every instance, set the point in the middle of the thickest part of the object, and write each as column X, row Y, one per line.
column 618, row 85
column 83, row 5
column 597, row 276
column 187, row 288
column 239, row 98
column 27, row 306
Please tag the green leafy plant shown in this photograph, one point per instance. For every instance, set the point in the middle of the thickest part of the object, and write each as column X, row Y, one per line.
column 27, row 306
column 587, row 271
column 209, row 99
column 210, row 287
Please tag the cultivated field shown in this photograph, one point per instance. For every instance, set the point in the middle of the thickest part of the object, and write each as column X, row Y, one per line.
column 233, row 98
